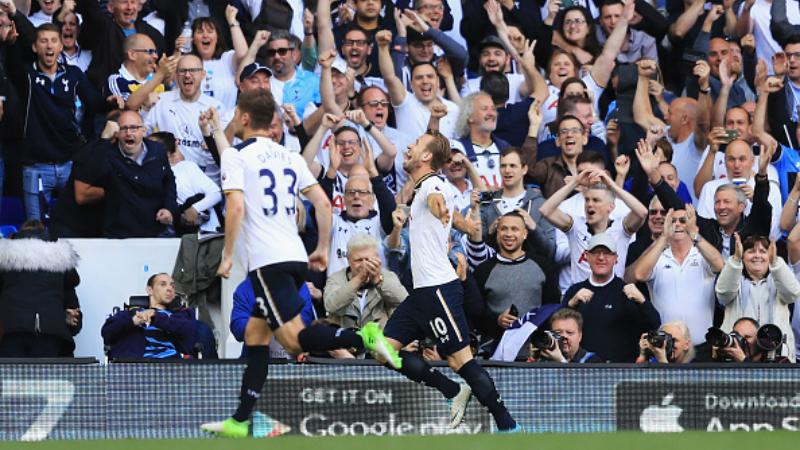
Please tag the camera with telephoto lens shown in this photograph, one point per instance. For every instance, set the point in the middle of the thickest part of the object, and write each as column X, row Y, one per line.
column 546, row 339
column 769, row 339
column 720, row 339
column 660, row 339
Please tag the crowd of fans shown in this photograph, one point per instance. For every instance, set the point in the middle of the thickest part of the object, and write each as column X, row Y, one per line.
column 632, row 161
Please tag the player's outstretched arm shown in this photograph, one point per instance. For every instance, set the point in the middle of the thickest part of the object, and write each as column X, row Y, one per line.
column 234, row 214
column 438, row 207
column 318, row 260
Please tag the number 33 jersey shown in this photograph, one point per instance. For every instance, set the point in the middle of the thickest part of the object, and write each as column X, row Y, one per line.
column 271, row 178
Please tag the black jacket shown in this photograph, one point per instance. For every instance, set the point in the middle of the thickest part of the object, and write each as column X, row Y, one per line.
column 101, row 35
column 37, row 283
column 50, row 131
column 134, row 193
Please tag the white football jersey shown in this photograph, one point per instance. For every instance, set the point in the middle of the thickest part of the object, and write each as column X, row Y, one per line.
column 428, row 238
column 271, row 178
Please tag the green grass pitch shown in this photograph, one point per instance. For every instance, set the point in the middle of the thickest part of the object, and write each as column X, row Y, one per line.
column 778, row 440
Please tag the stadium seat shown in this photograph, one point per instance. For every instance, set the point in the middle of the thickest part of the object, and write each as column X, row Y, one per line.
column 7, row 230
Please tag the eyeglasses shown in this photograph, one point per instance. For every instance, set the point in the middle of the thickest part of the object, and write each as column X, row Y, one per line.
column 376, row 103
column 130, row 128
column 793, row 55
column 679, row 219
column 600, row 251
column 354, row 192
column 189, row 70
column 279, row 51
column 570, row 22
column 439, row 7
column 149, row 51
column 659, row 212
column 346, row 143
column 566, row 131
column 354, row 43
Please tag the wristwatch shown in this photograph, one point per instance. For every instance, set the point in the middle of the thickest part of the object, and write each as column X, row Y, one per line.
column 696, row 238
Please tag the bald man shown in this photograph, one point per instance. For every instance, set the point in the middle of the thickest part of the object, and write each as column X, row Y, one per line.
column 133, row 177
column 140, row 73
column 178, row 111
column 682, row 121
column 739, row 162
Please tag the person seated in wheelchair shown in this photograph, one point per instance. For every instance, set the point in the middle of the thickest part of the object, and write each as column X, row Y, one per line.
column 163, row 329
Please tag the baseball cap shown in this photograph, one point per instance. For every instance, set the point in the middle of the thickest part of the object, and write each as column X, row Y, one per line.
column 251, row 69
column 413, row 36
column 339, row 64
column 491, row 41
column 602, row 240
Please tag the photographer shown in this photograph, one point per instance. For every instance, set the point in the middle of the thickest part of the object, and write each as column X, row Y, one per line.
column 564, row 338
column 672, row 344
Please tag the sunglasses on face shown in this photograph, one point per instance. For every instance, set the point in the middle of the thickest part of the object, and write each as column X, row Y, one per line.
column 682, row 220
column 279, row 51
column 149, row 51
column 657, row 212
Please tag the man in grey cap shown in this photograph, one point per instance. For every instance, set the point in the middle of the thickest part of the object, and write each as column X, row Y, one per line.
column 615, row 314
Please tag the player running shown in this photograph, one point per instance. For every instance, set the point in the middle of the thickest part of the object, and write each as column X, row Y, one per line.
column 261, row 180
column 435, row 307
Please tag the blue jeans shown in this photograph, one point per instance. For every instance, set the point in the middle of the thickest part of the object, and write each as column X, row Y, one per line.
column 53, row 178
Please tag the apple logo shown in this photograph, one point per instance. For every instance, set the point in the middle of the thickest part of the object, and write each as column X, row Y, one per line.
column 661, row 419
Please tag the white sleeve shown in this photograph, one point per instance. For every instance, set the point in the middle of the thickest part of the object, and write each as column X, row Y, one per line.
column 705, row 203
column 233, row 168
column 151, row 120
column 304, row 177
column 202, row 183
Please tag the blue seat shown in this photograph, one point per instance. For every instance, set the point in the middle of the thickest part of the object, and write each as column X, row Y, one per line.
column 12, row 211
column 7, row 230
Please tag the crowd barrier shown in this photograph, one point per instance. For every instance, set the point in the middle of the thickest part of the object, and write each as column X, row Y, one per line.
column 87, row 400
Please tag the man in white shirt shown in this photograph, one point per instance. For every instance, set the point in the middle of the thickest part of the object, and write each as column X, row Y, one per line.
column 686, row 157
column 435, row 307
column 45, row 13
column 599, row 203
column 680, row 268
column 414, row 111
column 177, row 112
column 276, row 258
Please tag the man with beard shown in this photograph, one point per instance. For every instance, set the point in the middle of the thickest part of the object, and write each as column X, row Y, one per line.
column 177, row 112
column 477, row 121
column 513, row 277
column 290, row 83
column 435, row 307
column 719, row 61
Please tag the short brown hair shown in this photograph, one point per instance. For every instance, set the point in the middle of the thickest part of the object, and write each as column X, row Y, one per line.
column 260, row 106
column 439, row 148
column 567, row 313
